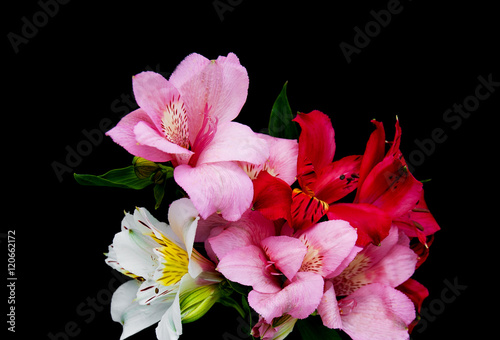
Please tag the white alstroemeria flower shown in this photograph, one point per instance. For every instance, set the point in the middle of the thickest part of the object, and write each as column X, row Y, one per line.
column 165, row 267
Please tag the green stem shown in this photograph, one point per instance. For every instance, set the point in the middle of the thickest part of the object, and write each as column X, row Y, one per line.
column 230, row 302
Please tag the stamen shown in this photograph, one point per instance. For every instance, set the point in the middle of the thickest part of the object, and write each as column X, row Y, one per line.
column 418, row 225
column 421, row 210
column 175, row 123
column 346, row 306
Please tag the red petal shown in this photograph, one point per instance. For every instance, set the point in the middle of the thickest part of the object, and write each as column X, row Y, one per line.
column 337, row 179
column 306, row 209
column 272, row 197
column 391, row 187
column 422, row 249
column 417, row 294
column 316, row 142
column 374, row 152
column 394, row 149
column 371, row 223
column 419, row 221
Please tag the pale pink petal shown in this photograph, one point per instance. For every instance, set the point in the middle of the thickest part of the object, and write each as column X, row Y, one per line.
column 378, row 252
column 234, row 88
column 217, row 187
column 282, row 161
column 148, row 136
column 188, row 68
column 235, row 142
column 123, row 134
column 328, row 243
column 214, row 232
column 379, row 313
column 328, row 308
column 205, row 226
column 395, row 268
column 286, row 253
column 248, row 266
column 391, row 263
column 250, row 229
column 221, row 84
column 299, row 298
column 355, row 250
column 153, row 93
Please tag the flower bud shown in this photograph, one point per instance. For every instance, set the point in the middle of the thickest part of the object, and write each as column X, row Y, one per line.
column 195, row 303
column 277, row 330
column 144, row 168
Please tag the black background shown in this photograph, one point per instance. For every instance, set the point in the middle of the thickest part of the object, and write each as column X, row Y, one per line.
column 77, row 68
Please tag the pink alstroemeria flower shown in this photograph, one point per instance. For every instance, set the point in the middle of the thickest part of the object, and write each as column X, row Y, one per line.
column 372, row 307
column 187, row 120
column 286, row 271
column 373, row 312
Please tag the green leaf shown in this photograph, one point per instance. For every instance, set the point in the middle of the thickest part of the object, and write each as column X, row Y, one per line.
column 159, row 192
column 230, row 302
column 239, row 288
column 119, row 178
column 280, row 122
column 312, row 328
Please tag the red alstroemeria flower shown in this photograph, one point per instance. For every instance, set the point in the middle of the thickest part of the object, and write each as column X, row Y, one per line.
column 389, row 189
column 386, row 191
column 418, row 222
column 321, row 180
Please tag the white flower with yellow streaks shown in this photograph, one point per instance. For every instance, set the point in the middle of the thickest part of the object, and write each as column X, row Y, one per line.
column 165, row 267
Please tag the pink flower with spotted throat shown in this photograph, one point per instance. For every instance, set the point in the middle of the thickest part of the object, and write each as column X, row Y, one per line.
column 286, row 271
column 187, row 120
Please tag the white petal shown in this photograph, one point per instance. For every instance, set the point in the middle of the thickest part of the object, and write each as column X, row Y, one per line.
column 152, row 291
column 170, row 326
column 133, row 316
column 128, row 222
column 134, row 252
column 159, row 229
column 183, row 218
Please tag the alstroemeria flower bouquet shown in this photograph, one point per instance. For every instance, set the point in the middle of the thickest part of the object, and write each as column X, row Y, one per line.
column 302, row 236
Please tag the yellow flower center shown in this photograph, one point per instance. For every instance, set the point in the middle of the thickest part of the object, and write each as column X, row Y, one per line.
column 175, row 261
